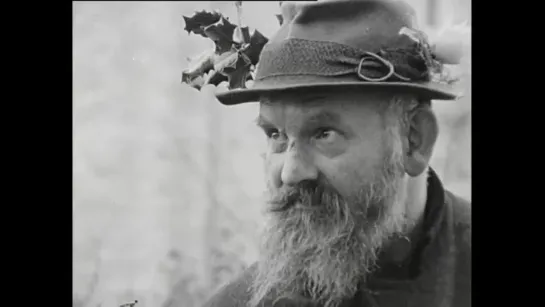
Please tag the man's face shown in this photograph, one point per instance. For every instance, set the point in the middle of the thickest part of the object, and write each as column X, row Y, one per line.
column 334, row 175
column 337, row 137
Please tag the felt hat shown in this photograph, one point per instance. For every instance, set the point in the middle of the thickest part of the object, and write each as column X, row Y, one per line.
column 347, row 44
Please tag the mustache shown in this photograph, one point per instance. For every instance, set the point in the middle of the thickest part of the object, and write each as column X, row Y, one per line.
column 310, row 194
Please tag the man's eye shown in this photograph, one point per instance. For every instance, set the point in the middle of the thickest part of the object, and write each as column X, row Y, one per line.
column 325, row 134
column 276, row 139
column 273, row 134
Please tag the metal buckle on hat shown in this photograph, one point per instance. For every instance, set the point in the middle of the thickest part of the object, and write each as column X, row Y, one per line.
column 391, row 70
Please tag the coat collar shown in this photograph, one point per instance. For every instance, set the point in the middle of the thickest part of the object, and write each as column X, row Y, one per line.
column 428, row 268
column 410, row 267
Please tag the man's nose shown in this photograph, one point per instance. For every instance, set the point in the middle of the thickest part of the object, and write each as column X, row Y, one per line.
column 297, row 168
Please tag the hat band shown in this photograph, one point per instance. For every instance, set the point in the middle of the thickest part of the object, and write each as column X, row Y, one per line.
column 298, row 57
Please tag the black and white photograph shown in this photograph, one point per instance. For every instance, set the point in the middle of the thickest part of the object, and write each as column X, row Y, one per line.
column 272, row 153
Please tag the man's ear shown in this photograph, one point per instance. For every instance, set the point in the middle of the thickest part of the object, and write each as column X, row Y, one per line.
column 422, row 135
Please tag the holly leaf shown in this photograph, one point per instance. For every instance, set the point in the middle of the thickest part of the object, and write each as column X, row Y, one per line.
column 221, row 33
column 257, row 42
column 199, row 21
column 215, row 78
column 238, row 78
column 234, row 57
column 197, row 82
column 235, row 66
column 199, row 66
column 229, row 62
column 241, row 35
column 225, row 59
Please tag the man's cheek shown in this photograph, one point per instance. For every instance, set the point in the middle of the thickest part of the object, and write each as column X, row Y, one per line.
column 343, row 182
column 352, row 178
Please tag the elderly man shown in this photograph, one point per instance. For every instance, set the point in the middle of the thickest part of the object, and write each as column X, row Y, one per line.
column 356, row 215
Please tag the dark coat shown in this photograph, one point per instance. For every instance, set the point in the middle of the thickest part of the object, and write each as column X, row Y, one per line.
column 437, row 275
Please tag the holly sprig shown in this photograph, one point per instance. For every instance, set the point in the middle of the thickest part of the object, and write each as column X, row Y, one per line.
column 235, row 54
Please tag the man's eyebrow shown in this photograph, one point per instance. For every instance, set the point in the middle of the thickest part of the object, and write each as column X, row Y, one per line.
column 321, row 117
column 324, row 117
column 262, row 122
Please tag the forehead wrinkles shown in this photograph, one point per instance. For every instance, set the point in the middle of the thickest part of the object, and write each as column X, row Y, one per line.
column 355, row 112
column 291, row 115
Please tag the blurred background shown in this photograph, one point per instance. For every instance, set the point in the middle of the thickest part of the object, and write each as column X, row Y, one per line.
column 167, row 181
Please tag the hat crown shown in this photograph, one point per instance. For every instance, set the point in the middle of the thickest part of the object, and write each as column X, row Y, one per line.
column 334, row 38
column 372, row 44
column 363, row 24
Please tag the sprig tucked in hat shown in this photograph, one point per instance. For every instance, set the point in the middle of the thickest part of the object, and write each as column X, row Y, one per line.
column 451, row 45
column 427, row 51
column 234, row 57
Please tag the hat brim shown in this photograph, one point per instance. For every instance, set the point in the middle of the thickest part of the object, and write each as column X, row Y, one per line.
column 428, row 90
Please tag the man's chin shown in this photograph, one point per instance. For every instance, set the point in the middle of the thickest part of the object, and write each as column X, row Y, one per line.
column 325, row 283
column 326, row 268
column 326, row 271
